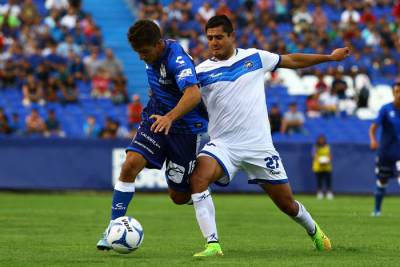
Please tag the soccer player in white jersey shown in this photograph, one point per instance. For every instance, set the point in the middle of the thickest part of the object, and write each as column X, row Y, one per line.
column 232, row 87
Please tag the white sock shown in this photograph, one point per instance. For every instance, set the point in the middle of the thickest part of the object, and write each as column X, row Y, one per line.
column 304, row 219
column 205, row 215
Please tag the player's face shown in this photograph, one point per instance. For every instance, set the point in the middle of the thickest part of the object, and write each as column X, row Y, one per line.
column 220, row 44
column 149, row 53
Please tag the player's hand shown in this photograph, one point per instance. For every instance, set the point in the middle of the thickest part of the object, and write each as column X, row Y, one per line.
column 340, row 53
column 162, row 124
column 373, row 145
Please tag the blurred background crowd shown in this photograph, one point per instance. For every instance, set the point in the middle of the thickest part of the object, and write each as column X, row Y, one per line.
column 57, row 78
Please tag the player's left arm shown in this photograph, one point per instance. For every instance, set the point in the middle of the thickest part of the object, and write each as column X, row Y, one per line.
column 190, row 99
column 296, row 61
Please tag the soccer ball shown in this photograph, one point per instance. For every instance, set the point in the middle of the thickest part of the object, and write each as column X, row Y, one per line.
column 125, row 235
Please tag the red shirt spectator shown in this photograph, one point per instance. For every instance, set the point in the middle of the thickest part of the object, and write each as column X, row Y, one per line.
column 134, row 111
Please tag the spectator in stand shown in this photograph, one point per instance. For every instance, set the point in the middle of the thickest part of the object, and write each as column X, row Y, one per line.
column 302, row 19
column 119, row 94
column 76, row 68
column 69, row 91
column 275, row 119
column 91, row 62
column 101, row 84
column 56, row 4
column 109, row 130
column 312, row 106
column 134, row 112
column 5, row 127
column 68, row 46
column 32, row 92
column 34, row 123
column 53, row 126
column 70, row 19
column 29, row 12
column 111, row 64
column 9, row 76
column 321, row 85
column 293, row 120
column 16, row 125
column 349, row 15
column 328, row 103
column 51, row 89
column 339, row 85
column 322, row 167
column 319, row 18
column 91, row 128
column 205, row 12
column 367, row 16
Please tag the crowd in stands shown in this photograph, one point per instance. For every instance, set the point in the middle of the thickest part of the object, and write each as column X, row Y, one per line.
column 371, row 28
column 50, row 51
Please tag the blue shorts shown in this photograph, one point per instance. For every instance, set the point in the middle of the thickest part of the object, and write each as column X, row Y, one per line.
column 177, row 150
column 387, row 168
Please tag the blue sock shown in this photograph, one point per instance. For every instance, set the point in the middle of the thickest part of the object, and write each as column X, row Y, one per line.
column 379, row 194
column 123, row 194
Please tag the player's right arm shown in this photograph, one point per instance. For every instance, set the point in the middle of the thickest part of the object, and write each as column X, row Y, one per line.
column 190, row 99
column 373, row 143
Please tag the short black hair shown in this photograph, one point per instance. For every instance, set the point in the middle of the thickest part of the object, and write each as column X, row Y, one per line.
column 220, row 20
column 144, row 33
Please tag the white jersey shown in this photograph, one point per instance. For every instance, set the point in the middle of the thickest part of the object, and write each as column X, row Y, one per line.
column 233, row 92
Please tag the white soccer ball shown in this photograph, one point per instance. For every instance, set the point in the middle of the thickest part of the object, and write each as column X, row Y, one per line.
column 125, row 234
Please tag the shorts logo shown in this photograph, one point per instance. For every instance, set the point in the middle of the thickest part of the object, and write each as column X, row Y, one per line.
column 175, row 172
column 210, row 144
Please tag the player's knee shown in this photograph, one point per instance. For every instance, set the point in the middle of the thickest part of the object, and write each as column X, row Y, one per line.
column 180, row 199
column 129, row 170
column 289, row 207
column 198, row 182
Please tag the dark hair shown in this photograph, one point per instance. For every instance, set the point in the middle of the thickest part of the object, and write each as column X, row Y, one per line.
column 144, row 33
column 220, row 20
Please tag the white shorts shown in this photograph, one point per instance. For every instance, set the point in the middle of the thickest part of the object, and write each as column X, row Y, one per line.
column 262, row 166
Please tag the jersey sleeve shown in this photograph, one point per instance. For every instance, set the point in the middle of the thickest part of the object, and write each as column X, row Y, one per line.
column 183, row 69
column 381, row 116
column 270, row 61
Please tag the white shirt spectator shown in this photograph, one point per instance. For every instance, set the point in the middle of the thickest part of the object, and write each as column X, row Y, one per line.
column 56, row 4
column 206, row 11
column 350, row 15
column 14, row 10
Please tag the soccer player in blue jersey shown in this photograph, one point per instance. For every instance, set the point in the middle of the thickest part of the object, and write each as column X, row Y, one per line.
column 388, row 158
column 171, row 122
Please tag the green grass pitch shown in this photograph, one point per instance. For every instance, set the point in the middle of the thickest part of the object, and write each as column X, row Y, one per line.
column 62, row 230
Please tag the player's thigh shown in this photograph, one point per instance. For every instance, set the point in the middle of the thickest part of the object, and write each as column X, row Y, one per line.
column 152, row 146
column 207, row 169
column 215, row 163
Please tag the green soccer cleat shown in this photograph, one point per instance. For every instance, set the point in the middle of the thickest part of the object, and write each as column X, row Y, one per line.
column 212, row 249
column 320, row 240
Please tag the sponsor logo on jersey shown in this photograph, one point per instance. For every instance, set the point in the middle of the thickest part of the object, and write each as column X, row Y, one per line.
column 215, row 75
column 248, row 64
column 185, row 73
column 180, row 60
column 392, row 114
column 163, row 71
